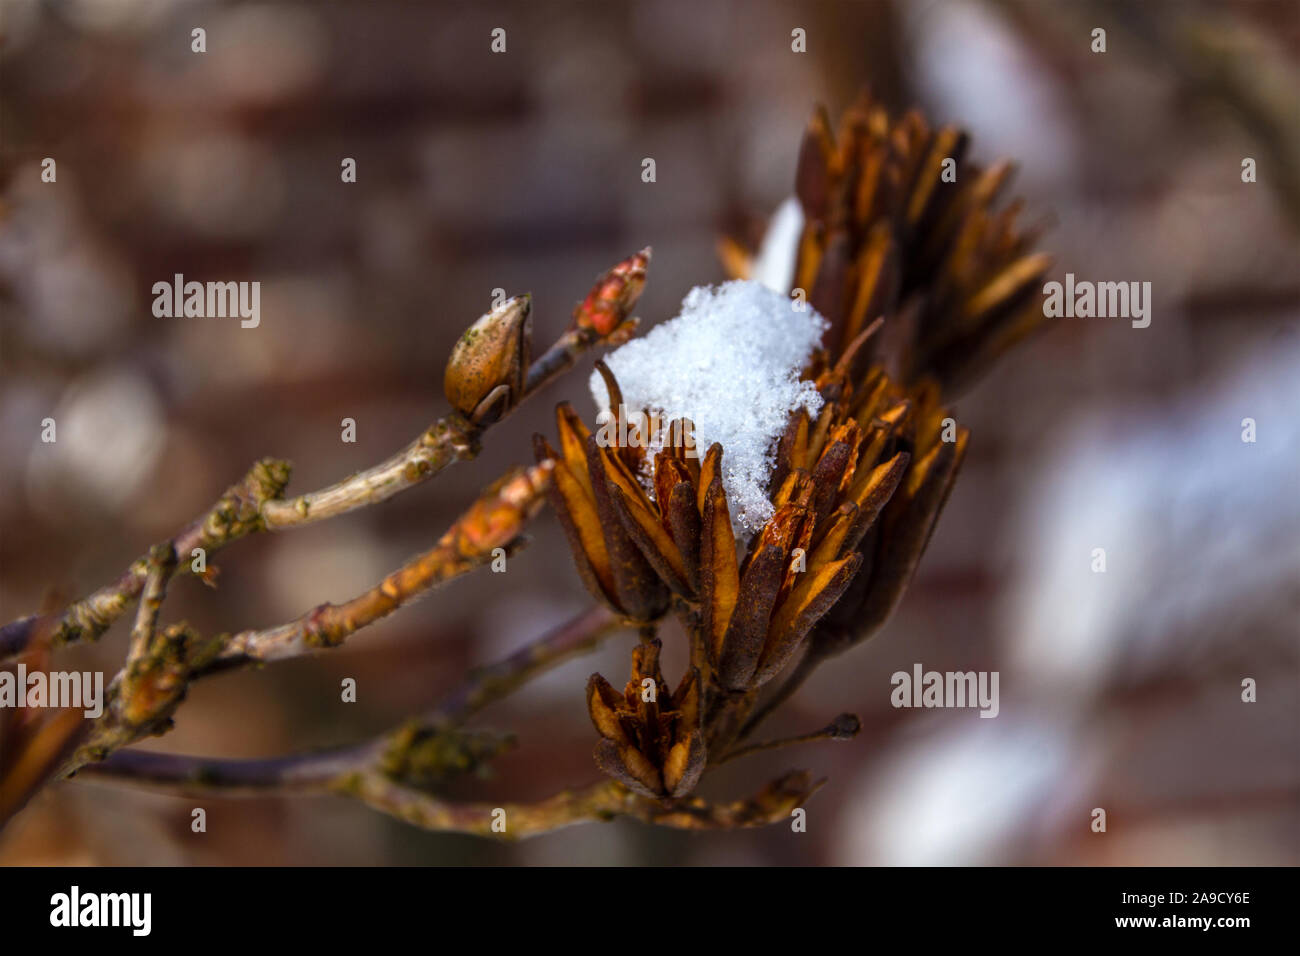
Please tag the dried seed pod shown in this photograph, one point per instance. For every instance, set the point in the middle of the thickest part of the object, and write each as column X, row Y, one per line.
column 891, row 243
column 650, row 737
column 893, row 214
column 747, row 619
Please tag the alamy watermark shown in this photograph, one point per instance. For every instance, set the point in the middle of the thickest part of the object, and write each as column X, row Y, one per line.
column 1086, row 300
column 72, row 689
column 922, row 688
column 74, row 908
column 213, row 300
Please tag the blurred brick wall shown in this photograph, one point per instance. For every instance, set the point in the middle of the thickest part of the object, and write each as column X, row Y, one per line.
column 520, row 171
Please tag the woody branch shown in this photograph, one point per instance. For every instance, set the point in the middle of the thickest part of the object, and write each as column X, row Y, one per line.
column 256, row 502
column 161, row 665
column 322, row 770
column 378, row 772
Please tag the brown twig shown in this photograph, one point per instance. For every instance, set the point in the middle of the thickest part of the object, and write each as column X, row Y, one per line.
column 160, row 666
column 843, row 727
column 448, row 440
column 364, row 771
column 494, row 521
column 255, row 503
column 485, row 685
column 451, row 439
column 374, row 771
column 236, row 514
column 162, row 564
column 602, row 801
column 185, row 773
column 808, row 663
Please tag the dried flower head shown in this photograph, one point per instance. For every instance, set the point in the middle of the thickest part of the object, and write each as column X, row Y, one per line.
column 650, row 739
column 640, row 549
column 857, row 483
column 896, row 221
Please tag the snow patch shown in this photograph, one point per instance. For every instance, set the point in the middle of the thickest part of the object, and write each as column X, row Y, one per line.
column 774, row 264
column 730, row 362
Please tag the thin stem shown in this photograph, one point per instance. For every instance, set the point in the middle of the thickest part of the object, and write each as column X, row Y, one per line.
column 493, row 522
column 358, row 771
column 146, row 691
column 184, row 773
column 485, row 685
column 321, row 773
column 447, row 441
column 236, row 514
column 162, row 564
column 320, row 769
column 843, row 727
column 329, row 625
column 803, row 670
column 602, row 801
column 256, row 504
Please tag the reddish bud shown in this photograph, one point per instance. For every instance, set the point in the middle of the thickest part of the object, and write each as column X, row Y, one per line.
column 613, row 296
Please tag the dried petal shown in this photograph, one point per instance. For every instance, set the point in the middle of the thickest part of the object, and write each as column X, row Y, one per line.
column 879, row 278
column 603, row 704
column 812, row 176
column 645, row 529
column 747, row 632
column 814, row 596
column 685, row 526
column 1007, row 287
column 719, row 568
column 907, row 525
column 950, row 143
column 872, row 492
column 832, row 545
column 826, row 478
column 686, row 701
column 629, row 767
column 573, row 443
column 829, row 293
column 684, row 765
column 710, row 470
column 641, row 594
column 577, row 513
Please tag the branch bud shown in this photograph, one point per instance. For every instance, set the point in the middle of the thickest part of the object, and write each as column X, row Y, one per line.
column 486, row 370
column 613, row 296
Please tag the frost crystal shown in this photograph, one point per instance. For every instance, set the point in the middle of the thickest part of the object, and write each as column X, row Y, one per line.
column 730, row 362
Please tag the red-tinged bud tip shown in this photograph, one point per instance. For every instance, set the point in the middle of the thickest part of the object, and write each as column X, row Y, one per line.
column 614, row 295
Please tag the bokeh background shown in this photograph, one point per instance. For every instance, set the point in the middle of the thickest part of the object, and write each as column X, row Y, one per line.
column 522, row 171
